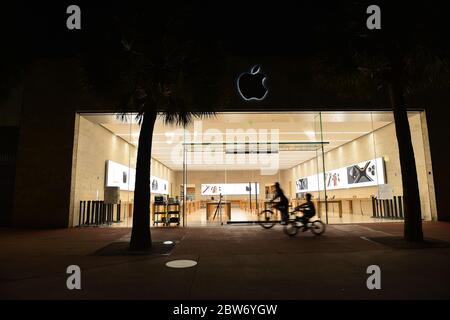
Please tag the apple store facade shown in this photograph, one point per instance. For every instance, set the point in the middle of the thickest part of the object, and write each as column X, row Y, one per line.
column 222, row 170
column 219, row 170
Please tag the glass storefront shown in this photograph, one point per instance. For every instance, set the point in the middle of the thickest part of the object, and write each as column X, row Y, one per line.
column 221, row 170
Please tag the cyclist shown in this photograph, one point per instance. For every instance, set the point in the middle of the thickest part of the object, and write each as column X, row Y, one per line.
column 282, row 205
column 308, row 211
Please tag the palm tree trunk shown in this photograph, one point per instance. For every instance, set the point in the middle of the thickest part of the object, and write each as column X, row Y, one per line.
column 140, row 233
column 411, row 197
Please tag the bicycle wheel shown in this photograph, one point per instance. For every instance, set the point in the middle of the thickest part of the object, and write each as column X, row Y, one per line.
column 291, row 229
column 317, row 227
column 267, row 219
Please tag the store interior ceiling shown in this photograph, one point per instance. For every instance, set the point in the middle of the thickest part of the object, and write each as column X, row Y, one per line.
column 301, row 129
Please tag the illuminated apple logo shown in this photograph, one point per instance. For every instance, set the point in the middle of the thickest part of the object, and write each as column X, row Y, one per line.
column 251, row 85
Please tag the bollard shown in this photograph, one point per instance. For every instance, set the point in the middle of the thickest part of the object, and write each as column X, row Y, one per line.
column 79, row 213
column 97, row 209
column 389, row 203
column 101, row 214
column 378, row 209
column 395, row 207
column 107, row 213
column 102, row 221
column 386, row 205
column 94, row 212
column 373, row 207
column 383, row 209
column 88, row 212
column 118, row 211
column 388, row 208
column 84, row 212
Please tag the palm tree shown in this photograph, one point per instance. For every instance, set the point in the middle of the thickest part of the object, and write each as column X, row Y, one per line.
column 152, row 64
column 396, row 62
column 140, row 234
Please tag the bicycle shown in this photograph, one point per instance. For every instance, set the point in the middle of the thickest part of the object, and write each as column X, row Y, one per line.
column 317, row 227
column 293, row 225
column 268, row 218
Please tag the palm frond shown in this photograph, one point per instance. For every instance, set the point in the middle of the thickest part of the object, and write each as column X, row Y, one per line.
column 184, row 118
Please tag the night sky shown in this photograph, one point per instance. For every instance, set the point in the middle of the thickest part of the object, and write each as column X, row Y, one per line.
column 33, row 29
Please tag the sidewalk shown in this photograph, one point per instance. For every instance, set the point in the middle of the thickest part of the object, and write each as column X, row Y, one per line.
column 234, row 262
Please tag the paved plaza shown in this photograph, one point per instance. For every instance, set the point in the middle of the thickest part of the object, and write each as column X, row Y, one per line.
column 233, row 262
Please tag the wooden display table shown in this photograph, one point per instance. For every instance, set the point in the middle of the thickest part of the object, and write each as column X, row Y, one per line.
column 327, row 202
column 340, row 202
column 354, row 200
column 211, row 209
column 246, row 205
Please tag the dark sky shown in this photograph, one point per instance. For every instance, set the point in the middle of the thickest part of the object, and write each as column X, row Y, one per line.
column 38, row 28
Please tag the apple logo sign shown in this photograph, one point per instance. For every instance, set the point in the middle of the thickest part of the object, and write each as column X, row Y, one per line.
column 251, row 85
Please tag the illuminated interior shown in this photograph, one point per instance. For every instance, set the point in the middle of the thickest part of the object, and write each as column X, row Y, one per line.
column 235, row 159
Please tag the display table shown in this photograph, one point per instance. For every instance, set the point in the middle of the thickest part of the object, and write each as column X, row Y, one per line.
column 211, row 209
column 327, row 202
column 341, row 202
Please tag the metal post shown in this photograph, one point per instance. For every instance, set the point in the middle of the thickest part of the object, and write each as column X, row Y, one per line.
column 373, row 208
column 184, row 177
column 89, row 211
column 323, row 167
column 79, row 214
column 378, row 209
column 400, row 206
column 250, row 195
column 395, row 208
column 256, row 197
column 95, row 216
column 391, row 209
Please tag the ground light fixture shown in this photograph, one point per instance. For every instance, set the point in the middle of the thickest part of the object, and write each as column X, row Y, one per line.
column 178, row 264
column 168, row 242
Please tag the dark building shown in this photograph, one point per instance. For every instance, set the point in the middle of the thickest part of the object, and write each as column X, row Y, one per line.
column 40, row 120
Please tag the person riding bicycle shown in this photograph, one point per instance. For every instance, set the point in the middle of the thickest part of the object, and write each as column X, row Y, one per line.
column 282, row 205
column 308, row 211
